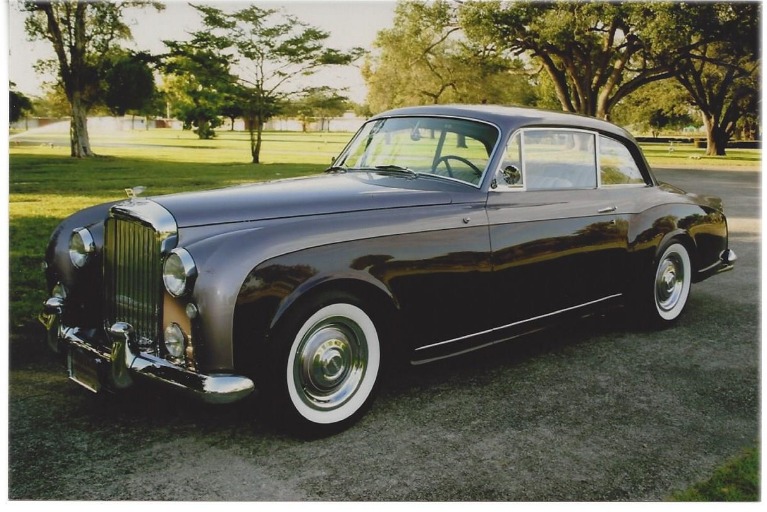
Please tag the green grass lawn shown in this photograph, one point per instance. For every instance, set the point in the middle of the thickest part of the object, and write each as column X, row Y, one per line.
column 45, row 185
column 688, row 156
column 736, row 480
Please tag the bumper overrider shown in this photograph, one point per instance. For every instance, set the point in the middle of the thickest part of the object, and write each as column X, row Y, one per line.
column 92, row 365
column 725, row 263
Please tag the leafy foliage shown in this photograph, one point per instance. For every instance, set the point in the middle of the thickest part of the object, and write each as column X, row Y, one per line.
column 18, row 104
column 129, row 84
column 656, row 107
column 198, row 81
column 319, row 103
column 425, row 58
column 595, row 53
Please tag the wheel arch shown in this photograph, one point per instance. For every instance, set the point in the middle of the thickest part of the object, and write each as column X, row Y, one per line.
column 683, row 237
column 255, row 322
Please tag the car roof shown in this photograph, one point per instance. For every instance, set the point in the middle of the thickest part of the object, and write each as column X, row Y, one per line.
column 511, row 118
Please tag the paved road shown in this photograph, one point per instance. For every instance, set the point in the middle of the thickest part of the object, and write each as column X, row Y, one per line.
column 595, row 412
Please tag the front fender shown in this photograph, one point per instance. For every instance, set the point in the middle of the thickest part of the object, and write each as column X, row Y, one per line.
column 226, row 262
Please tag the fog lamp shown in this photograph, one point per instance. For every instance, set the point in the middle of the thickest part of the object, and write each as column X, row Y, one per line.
column 59, row 291
column 174, row 340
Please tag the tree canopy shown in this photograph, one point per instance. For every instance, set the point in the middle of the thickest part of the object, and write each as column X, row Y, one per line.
column 18, row 104
column 595, row 53
column 585, row 57
column 425, row 58
column 129, row 84
column 198, row 81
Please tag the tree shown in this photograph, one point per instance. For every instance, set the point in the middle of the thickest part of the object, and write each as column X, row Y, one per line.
column 129, row 84
column 425, row 58
column 656, row 106
column 83, row 35
column 595, row 53
column 53, row 103
column 232, row 109
column 320, row 103
column 274, row 52
column 721, row 75
column 198, row 82
column 18, row 104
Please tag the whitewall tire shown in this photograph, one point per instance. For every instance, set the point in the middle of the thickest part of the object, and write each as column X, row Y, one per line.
column 333, row 365
column 671, row 284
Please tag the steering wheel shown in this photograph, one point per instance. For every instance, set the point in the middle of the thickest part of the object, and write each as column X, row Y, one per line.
column 461, row 159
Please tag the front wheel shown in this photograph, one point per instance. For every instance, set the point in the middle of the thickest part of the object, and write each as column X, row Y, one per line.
column 330, row 366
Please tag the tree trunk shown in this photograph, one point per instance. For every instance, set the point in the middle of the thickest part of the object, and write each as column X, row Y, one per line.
column 716, row 137
column 255, row 139
column 79, row 141
column 204, row 131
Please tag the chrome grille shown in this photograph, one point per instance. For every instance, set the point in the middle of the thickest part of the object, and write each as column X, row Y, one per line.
column 133, row 277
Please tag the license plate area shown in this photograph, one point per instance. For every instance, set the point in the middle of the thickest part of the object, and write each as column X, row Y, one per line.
column 84, row 369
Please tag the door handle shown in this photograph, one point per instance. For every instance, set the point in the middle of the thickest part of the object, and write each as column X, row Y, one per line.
column 607, row 209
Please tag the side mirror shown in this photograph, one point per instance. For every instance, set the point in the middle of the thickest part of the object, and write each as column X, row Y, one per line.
column 511, row 174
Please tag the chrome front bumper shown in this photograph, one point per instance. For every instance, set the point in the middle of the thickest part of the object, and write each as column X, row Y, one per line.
column 118, row 365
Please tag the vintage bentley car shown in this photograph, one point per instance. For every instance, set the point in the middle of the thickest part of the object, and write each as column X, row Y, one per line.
column 437, row 230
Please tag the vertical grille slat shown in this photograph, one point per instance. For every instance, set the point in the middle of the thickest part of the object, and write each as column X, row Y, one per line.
column 132, row 271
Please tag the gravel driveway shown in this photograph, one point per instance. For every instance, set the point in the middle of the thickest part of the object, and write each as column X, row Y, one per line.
column 590, row 412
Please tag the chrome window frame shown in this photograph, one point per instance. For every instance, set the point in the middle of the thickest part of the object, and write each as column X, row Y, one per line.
column 523, row 162
column 490, row 158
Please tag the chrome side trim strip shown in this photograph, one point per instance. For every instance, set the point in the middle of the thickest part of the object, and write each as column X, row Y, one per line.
column 478, row 347
column 521, row 322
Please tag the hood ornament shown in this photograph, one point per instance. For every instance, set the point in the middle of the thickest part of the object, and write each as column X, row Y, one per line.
column 134, row 193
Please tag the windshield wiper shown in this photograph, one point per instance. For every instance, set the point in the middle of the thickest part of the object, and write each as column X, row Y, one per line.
column 335, row 169
column 397, row 169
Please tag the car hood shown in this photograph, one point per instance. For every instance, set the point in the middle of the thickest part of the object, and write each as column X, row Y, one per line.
column 294, row 198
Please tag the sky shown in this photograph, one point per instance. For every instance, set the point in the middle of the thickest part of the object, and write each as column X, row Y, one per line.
column 350, row 23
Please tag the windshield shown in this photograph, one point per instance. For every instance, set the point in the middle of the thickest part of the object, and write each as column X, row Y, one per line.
column 452, row 148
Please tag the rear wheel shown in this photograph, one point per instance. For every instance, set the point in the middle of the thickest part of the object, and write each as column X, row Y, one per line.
column 671, row 279
column 329, row 363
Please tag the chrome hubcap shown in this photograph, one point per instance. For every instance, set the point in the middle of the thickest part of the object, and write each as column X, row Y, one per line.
column 669, row 282
column 330, row 363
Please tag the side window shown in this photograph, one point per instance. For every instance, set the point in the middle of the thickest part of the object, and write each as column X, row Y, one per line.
column 616, row 165
column 559, row 159
column 510, row 173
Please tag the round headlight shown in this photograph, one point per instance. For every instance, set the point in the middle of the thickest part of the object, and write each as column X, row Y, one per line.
column 81, row 247
column 174, row 340
column 178, row 272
